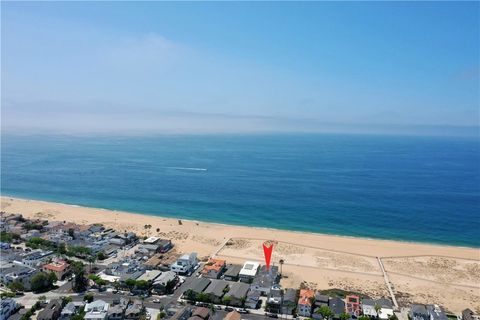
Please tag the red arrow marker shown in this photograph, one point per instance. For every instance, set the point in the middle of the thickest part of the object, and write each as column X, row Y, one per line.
column 267, row 251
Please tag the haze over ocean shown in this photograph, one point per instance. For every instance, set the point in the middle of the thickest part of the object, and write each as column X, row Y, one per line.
column 411, row 188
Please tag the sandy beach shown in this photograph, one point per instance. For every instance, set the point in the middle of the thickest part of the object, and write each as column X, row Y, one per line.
column 423, row 273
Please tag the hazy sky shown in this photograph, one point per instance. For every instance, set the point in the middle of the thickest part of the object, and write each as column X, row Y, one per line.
column 239, row 67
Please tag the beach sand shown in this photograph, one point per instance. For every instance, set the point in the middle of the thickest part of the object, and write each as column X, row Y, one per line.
column 423, row 273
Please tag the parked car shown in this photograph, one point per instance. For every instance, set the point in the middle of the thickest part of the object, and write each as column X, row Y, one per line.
column 239, row 310
column 229, row 308
column 271, row 315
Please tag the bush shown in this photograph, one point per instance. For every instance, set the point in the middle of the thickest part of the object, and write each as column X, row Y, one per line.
column 88, row 297
column 42, row 282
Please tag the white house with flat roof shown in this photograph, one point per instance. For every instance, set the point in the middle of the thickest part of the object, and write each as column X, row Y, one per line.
column 248, row 271
column 185, row 263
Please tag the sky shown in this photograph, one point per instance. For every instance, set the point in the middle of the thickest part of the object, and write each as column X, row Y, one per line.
column 240, row 67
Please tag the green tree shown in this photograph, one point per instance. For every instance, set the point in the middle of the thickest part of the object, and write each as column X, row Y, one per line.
column 161, row 315
column 88, row 297
column 377, row 309
column 344, row 316
column 363, row 318
column 142, row 284
column 325, row 311
column 80, row 282
column 101, row 255
column 62, row 248
column 281, row 266
column 16, row 286
column 52, row 278
column 227, row 300
column 130, row 283
column 41, row 282
column 203, row 297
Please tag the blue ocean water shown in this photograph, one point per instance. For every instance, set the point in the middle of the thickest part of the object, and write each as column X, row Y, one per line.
column 393, row 187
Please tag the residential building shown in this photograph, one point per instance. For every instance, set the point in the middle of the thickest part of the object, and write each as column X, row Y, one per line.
column 238, row 293
column 289, row 302
column 134, row 310
column 253, row 300
column 185, row 263
column 216, row 290
column 248, row 271
column 36, row 258
column 214, row 268
column 197, row 286
column 52, row 311
column 59, row 267
column 16, row 272
column 165, row 282
column 150, row 275
column 436, row 312
column 386, row 308
column 337, row 306
column 419, row 312
column 305, row 300
column 232, row 272
column 7, row 308
column 233, row 315
column 201, row 312
column 70, row 310
column 352, row 305
column 265, row 280
column 117, row 310
column 274, row 299
column 96, row 310
column 321, row 299
column 468, row 314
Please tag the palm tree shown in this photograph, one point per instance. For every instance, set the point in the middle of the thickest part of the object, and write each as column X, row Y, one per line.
column 377, row 309
column 281, row 266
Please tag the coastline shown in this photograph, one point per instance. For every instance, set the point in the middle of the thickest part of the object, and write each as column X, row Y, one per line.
column 229, row 225
column 428, row 273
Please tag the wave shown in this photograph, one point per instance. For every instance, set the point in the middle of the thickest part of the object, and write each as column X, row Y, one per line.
column 187, row 168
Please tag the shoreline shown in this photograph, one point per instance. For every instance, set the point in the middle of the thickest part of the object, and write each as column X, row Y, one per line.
column 299, row 232
column 447, row 275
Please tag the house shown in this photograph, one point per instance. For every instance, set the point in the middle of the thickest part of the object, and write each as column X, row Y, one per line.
column 238, row 293
column 185, row 263
column 232, row 272
column 305, row 302
column 436, row 312
column 59, row 267
column 419, row 312
column 52, row 311
column 13, row 272
column 70, row 310
column 248, row 271
column 134, row 310
column 214, row 268
column 468, row 314
column 264, row 280
column 386, row 308
column 216, row 290
column 337, row 306
column 201, row 312
column 274, row 299
column 165, row 282
column 252, row 300
column 96, row 310
column 321, row 299
column 150, row 275
column 36, row 258
column 233, row 315
column 7, row 308
column 352, row 305
column 117, row 310
column 289, row 302
column 196, row 287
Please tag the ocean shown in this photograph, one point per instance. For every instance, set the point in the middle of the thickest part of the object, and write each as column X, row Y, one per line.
column 409, row 188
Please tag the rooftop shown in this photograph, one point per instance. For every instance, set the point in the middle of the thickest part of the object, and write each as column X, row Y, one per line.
column 250, row 268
